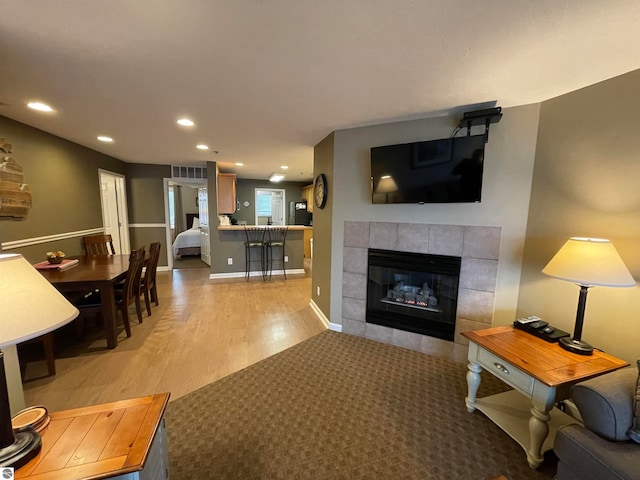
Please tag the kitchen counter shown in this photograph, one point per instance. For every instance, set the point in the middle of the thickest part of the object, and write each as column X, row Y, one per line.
column 228, row 249
column 241, row 227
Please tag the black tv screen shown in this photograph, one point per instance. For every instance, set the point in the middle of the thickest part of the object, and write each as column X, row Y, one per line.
column 435, row 171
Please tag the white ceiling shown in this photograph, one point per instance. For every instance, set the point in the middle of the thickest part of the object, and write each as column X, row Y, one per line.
column 266, row 80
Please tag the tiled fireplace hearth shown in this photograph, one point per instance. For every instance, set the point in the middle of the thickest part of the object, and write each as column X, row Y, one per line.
column 479, row 249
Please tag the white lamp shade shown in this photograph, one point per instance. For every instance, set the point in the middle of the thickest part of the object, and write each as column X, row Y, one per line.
column 29, row 305
column 589, row 262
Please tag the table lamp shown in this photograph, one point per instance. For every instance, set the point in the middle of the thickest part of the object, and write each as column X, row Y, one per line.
column 587, row 262
column 29, row 307
column 386, row 185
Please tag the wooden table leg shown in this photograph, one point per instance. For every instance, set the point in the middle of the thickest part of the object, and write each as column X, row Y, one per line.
column 109, row 314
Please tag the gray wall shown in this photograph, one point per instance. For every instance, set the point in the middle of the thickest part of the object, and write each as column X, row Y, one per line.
column 585, row 183
column 246, row 191
column 64, row 183
column 505, row 200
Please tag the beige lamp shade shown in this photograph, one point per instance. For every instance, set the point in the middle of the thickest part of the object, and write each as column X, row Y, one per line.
column 386, row 185
column 29, row 305
column 589, row 262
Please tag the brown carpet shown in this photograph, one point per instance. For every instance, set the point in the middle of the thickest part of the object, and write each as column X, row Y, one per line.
column 342, row 407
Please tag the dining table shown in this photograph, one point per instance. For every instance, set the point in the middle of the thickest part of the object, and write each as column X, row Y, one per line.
column 99, row 272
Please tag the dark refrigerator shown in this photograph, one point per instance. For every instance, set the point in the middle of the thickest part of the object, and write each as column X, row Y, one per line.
column 298, row 214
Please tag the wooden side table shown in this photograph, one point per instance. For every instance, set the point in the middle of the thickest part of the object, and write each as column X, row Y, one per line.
column 541, row 374
column 122, row 440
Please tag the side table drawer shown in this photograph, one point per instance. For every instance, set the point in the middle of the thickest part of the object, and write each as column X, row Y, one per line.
column 505, row 371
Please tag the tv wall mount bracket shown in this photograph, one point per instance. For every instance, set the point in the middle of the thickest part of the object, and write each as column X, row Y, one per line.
column 484, row 117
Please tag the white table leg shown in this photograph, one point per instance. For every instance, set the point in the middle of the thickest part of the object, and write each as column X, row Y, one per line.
column 473, row 383
column 539, row 424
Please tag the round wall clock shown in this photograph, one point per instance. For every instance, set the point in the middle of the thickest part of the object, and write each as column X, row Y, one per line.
column 320, row 190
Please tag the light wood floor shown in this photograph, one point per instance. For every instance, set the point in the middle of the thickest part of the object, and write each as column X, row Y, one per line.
column 203, row 330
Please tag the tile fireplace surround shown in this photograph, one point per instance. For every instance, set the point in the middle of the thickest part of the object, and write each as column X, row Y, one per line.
column 479, row 248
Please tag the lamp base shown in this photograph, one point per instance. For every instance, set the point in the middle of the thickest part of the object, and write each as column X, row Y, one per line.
column 576, row 346
column 27, row 444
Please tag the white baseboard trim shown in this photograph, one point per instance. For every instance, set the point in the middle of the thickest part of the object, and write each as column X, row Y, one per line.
column 218, row 276
column 163, row 269
column 25, row 242
column 331, row 326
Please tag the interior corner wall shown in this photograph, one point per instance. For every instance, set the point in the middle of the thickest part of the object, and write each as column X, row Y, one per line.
column 145, row 206
column 323, row 224
column 65, row 188
column 585, row 183
column 508, row 168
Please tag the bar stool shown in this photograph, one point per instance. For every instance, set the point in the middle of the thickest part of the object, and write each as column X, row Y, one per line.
column 277, row 237
column 254, row 241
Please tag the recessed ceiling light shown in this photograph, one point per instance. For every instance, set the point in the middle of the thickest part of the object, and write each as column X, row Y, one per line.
column 104, row 138
column 41, row 107
column 284, row 167
column 185, row 122
column 202, row 146
column 239, row 164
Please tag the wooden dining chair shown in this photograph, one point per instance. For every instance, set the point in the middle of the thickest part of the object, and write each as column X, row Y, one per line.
column 124, row 297
column 148, row 283
column 98, row 245
column 48, row 350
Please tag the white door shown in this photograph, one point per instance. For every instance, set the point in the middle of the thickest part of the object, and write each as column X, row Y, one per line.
column 114, row 209
column 270, row 206
column 277, row 207
column 203, row 207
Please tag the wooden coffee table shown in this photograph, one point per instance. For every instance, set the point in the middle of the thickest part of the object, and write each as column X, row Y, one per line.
column 541, row 374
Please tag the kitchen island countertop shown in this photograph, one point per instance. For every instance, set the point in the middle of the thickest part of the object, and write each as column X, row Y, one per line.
column 241, row 227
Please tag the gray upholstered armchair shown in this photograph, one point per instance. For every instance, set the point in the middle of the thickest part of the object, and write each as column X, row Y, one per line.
column 601, row 449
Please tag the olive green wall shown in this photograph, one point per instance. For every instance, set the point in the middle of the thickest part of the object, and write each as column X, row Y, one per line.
column 145, row 192
column 585, row 183
column 145, row 198
column 323, row 155
column 246, row 191
column 64, row 182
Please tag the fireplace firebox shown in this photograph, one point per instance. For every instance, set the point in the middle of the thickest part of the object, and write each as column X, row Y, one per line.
column 413, row 292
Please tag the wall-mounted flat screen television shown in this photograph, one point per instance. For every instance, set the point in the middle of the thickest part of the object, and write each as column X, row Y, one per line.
column 436, row 171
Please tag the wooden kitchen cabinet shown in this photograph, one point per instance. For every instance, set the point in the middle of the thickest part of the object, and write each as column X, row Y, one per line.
column 226, row 193
column 307, row 194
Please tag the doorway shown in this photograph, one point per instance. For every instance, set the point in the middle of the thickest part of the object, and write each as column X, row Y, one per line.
column 187, row 224
column 113, row 198
column 270, row 206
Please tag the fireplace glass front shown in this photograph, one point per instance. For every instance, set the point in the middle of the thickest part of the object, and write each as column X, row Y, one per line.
column 413, row 292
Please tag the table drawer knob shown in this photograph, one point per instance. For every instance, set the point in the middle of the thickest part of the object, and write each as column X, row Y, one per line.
column 501, row 367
